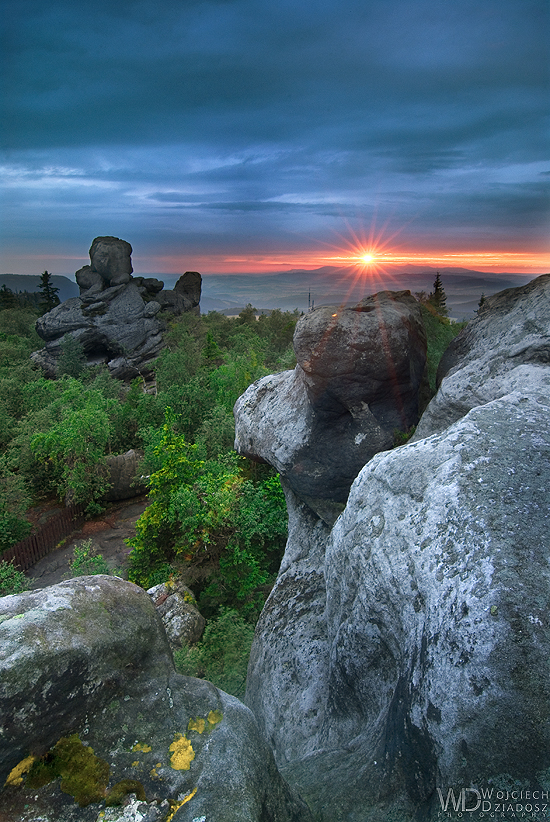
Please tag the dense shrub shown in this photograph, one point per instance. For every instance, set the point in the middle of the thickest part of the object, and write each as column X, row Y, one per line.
column 224, row 533
column 222, row 655
column 12, row 581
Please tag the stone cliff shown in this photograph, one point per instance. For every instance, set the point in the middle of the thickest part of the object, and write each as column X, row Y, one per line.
column 115, row 317
column 404, row 650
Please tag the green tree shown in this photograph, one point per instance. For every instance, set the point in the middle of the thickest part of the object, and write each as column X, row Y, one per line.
column 7, row 297
column 73, row 448
column 438, row 298
column 49, row 294
column 72, row 359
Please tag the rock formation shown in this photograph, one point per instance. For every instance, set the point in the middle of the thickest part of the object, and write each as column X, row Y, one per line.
column 86, row 673
column 358, row 379
column 115, row 317
column 177, row 607
column 405, row 652
column 125, row 476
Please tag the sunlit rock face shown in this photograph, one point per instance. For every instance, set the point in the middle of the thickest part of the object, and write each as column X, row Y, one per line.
column 90, row 657
column 358, row 379
column 405, row 651
column 115, row 318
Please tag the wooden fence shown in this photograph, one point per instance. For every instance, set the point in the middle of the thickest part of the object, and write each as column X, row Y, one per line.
column 30, row 550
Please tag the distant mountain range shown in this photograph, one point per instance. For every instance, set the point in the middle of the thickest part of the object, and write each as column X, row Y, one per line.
column 23, row 282
column 329, row 285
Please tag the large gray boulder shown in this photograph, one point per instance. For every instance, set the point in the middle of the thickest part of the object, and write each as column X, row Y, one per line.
column 423, row 615
column 89, row 657
column 115, row 318
column 358, row 379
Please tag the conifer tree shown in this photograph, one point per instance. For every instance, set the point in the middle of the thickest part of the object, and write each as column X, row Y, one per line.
column 49, row 298
column 438, row 297
column 7, row 297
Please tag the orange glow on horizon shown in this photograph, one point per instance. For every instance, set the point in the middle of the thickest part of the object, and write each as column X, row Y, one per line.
column 496, row 262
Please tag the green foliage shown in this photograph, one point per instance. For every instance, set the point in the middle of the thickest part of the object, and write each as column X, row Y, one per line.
column 221, row 531
column 14, row 501
column 440, row 332
column 12, row 581
column 73, row 447
column 72, row 359
column 222, row 655
column 401, row 437
column 86, row 561
column 7, row 297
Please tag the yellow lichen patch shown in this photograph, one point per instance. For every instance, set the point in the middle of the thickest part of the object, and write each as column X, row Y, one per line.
column 135, row 763
column 214, row 717
column 182, row 753
column 15, row 776
column 141, row 746
column 196, row 725
column 175, row 806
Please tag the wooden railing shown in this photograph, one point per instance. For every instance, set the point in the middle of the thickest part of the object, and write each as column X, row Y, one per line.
column 32, row 549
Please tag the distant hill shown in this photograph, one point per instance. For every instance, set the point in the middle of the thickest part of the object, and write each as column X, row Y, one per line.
column 23, row 282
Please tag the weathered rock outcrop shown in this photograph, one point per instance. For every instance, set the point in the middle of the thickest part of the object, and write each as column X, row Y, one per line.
column 505, row 348
column 125, row 476
column 430, row 603
column 115, row 317
column 358, row 379
column 89, row 657
column 177, row 607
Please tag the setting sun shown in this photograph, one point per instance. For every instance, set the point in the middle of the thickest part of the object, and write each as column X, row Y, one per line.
column 368, row 258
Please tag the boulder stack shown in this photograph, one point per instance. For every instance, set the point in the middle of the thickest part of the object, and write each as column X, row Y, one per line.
column 115, row 317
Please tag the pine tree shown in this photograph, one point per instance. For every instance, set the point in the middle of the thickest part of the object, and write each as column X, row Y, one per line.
column 438, row 297
column 7, row 297
column 49, row 298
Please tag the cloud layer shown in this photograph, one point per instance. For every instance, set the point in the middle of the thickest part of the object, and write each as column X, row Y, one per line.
column 247, row 127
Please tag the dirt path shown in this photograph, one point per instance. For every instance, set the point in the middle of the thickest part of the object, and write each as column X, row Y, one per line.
column 108, row 533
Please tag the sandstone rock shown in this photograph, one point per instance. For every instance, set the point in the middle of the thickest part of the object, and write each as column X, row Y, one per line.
column 185, row 296
column 115, row 317
column 124, row 474
column 111, row 258
column 358, row 379
column 287, row 673
column 429, row 660
column 177, row 607
column 90, row 657
column 505, row 348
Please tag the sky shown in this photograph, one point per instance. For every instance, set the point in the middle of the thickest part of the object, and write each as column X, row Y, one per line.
column 255, row 136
